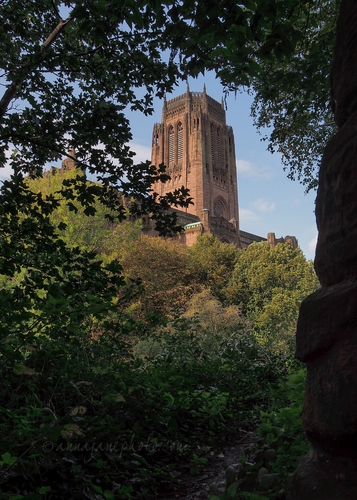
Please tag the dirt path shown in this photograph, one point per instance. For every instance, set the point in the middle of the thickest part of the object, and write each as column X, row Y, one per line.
column 194, row 487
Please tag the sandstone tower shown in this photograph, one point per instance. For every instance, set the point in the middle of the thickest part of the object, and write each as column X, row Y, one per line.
column 197, row 147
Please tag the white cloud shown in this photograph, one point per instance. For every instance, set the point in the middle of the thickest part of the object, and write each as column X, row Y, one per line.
column 143, row 153
column 263, row 206
column 246, row 215
column 312, row 244
column 252, row 171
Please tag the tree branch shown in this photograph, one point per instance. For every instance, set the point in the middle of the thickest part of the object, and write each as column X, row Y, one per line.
column 7, row 98
column 12, row 88
column 88, row 52
column 34, row 140
column 56, row 32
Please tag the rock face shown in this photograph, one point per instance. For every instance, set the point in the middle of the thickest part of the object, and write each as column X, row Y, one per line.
column 323, row 477
column 327, row 326
column 336, row 212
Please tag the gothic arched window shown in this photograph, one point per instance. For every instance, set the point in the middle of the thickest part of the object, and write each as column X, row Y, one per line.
column 171, row 144
column 212, row 143
column 179, row 142
column 219, row 146
column 220, row 208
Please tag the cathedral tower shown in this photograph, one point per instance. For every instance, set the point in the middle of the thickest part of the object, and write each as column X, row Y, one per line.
column 197, row 147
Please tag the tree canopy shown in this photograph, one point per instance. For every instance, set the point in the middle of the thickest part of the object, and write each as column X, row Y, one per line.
column 167, row 279
column 93, row 233
column 292, row 96
column 214, row 262
column 70, row 69
column 269, row 284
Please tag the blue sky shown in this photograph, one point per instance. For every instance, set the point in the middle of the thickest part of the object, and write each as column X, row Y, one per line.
column 268, row 200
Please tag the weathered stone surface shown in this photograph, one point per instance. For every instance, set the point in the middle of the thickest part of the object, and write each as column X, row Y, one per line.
column 261, row 473
column 231, row 476
column 344, row 70
column 269, row 456
column 323, row 477
column 330, row 407
column 327, row 327
column 336, row 208
column 328, row 315
column 268, row 480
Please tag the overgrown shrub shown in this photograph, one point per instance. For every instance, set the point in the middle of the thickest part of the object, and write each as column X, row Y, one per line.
column 268, row 466
column 86, row 419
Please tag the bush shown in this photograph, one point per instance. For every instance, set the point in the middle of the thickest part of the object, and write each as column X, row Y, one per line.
column 86, row 418
column 281, row 444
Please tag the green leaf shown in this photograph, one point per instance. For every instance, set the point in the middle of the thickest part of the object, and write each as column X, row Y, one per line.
column 8, row 459
column 20, row 369
column 232, row 490
column 98, row 489
column 44, row 489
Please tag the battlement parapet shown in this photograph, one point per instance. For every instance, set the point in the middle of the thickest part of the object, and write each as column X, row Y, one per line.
column 194, row 96
column 273, row 241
